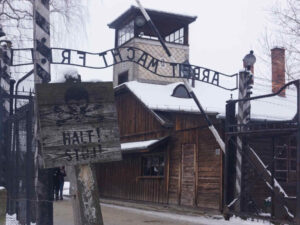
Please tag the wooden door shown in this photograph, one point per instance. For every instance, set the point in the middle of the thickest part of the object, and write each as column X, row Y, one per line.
column 187, row 196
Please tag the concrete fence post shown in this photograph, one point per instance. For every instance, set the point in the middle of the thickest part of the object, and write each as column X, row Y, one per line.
column 3, row 199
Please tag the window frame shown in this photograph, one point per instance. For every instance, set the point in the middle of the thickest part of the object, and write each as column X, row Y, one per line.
column 123, row 74
column 149, row 155
column 126, row 33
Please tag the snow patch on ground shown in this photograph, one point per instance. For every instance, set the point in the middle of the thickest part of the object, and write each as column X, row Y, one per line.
column 2, row 188
column 218, row 220
column 12, row 220
column 66, row 190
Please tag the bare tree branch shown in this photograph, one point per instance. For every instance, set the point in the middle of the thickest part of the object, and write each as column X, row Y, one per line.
column 286, row 34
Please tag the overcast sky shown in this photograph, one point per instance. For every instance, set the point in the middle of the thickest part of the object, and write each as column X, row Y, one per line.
column 224, row 32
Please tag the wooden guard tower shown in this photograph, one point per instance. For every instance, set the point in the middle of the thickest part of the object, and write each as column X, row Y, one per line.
column 131, row 29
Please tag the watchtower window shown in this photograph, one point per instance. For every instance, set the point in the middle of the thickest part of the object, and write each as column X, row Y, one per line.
column 126, row 33
column 181, row 92
column 123, row 77
column 176, row 37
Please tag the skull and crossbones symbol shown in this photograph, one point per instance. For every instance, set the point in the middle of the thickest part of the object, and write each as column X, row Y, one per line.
column 77, row 106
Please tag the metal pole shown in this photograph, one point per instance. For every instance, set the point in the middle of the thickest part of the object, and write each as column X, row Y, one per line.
column 147, row 17
column 297, row 218
column 229, row 169
column 238, row 163
column 272, row 177
column 11, row 92
column 42, row 59
column 29, row 162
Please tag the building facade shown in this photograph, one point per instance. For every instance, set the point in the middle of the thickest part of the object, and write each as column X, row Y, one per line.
column 169, row 154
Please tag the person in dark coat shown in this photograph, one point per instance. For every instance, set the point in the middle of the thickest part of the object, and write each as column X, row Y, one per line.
column 56, row 175
column 61, row 177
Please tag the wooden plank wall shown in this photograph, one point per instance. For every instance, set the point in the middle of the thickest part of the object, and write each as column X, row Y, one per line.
column 135, row 121
column 119, row 179
column 208, row 165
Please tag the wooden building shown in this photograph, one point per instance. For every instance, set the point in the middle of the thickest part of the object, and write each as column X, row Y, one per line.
column 169, row 154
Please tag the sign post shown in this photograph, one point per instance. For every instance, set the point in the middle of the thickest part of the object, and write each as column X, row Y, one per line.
column 78, row 127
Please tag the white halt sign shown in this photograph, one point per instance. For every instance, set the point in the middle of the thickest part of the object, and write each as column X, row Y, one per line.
column 78, row 123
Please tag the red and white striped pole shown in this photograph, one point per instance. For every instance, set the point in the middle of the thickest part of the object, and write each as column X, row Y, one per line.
column 41, row 60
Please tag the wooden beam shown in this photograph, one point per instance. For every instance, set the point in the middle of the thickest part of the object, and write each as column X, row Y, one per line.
column 88, row 195
column 3, row 197
column 74, row 194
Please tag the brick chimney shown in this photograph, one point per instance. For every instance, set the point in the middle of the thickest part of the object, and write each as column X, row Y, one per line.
column 278, row 69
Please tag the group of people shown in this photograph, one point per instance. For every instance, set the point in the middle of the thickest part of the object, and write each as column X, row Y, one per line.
column 58, row 182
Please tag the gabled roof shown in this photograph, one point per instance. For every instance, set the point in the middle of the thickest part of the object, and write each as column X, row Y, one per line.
column 213, row 99
column 161, row 119
column 159, row 18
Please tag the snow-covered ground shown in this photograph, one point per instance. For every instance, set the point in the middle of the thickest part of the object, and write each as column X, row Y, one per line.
column 187, row 219
column 12, row 220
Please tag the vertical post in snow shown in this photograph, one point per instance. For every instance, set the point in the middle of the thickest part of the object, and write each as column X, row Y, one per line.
column 74, row 194
column 297, row 218
column 88, row 195
column 5, row 62
column 229, row 158
column 84, row 195
column 42, row 59
column 243, row 118
column 238, row 164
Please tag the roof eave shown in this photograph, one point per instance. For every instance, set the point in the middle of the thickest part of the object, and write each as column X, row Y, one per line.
column 115, row 23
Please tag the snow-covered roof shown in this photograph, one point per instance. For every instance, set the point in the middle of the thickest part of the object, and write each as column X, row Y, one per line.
column 137, row 145
column 213, row 99
column 141, row 145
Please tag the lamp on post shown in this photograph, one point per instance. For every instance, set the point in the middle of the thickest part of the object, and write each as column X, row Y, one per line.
column 249, row 61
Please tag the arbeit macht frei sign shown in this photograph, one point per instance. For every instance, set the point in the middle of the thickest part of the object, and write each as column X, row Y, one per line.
column 78, row 123
column 124, row 54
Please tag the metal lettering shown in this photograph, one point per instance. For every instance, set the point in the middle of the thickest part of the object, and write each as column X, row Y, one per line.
column 196, row 72
column 116, row 53
column 143, row 58
column 174, row 67
column 205, row 74
column 132, row 54
column 153, row 63
column 215, row 79
column 66, row 57
column 104, row 59
column 83, row 56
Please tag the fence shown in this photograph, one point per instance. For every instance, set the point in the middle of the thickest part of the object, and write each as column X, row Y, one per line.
column 19, row 152
column 270, row 155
